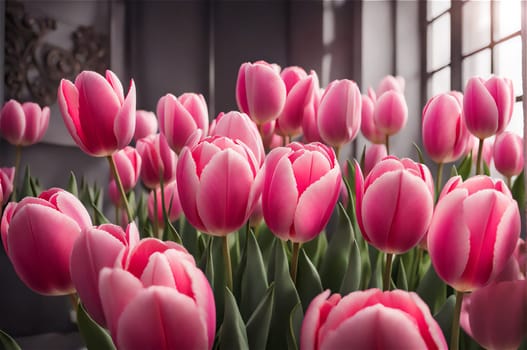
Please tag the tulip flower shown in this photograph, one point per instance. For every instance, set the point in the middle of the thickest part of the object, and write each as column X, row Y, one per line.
column 172, row 204
column 128, row 164
column 309, row 121
column 370, row 319
column 390, row 114
column 23, row 124
column 260, row 91
column 389, row 83
column 158, row 161
column 38, row 235
column 180, row 117
column 100, row 119
column 236, row 125
column 374, row 154
column 292, row 75
column 145, row 124
column 270, row 138
column 162, row 302
column 508, row 154
column 367, row 127
column 97, row 247
column 339, row 113
column 7, row 176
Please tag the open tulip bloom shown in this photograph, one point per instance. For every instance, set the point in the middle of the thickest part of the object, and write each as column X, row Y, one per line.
column 235, row 239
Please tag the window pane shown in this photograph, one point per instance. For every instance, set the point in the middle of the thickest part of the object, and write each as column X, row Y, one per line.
column 508, row 62
column 508, row 18
column 436, row 7
column 439, row 82
column 516, row 124
column 476, row 65
column 438, row 42
column 476, row 25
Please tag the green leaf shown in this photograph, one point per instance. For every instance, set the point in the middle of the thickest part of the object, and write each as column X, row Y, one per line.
column 518, row 191
column 445, row 315
column 170, row 233
column 402, row 281
column 377, row 269
column 295, row 323
column 335, row 264
column 190, row 237
column 307, row 280
column 213, row 267
column 362, row 158
column 233, row 334
column 316, row 248
column 432, row 290
column 259, row 323
column 72, row 185
column 266, row 241
column 8, row 343
column 419, row 153
column 286, row 298
column 29, row 189
column 465, row 167
column 486, row 170
column 352, row 278
column 95, row 337
column 453, row 171
column 98, row 216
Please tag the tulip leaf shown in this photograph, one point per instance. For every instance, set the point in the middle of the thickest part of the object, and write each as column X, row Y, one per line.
column 233, row 334
column 445, row 315
column 362, row 158
column 145, row 229
column 352, row 278
column 518, row 191
column 432, row 289
column 295, row 323
column 335, row 264
column 402, row 280
column 419, row 153
column 98, row 216
column 286, row 298
column 72, row 185
column 190, row 237
column 259, row 323
column 465, row 167
column 316, row 248
column 307, row 280
column 95, row 337
column 253, row 278
column 453, row 171
column 266, row 241
column 377, row 268
column 8, row 343
column 28, row 186
column 486, row 170
column 170, row 233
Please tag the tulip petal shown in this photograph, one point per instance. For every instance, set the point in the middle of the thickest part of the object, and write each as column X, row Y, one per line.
column 116, row 85
column 507, row 234
column 13, row 122
column 312, row 323
column 188, row 184
column 33, row 114
column 68, row 204
column 124, row 124
column 68, row 99
column 480, row 110
column 241, row 91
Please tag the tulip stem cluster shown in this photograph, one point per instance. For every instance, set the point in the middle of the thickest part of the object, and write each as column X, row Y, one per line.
column 480, row 156
column 115, row 174
column 387, row 272
column 454, row 340
column 227, row 260
column 294, row 260
column 439, row 178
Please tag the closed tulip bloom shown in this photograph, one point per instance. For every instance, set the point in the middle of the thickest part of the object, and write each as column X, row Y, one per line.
column 40, row 233
column 128, row 164
column 145, row 124
column 157, row 160
column 100, row 119
column 508, row 154
column 478, row 223
column 260, row 91
column 140, row 304
column 236, row 125
column 180, row 117
column 172, row 204
column 309, row 121
column 97, row 247
column 23, row 124
column 370, row 319
column 301, row 187
column 389, row 83
column 391, row 112
column 7, row 176
column 394, row 204
column 487, row 106
column 292, row 75
column 367, row 127
column 445, row 135
column 339, row 113
column 217, row 184
column 374, row 154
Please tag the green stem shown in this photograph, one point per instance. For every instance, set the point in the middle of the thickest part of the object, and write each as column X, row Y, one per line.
column 387, row 272
column 478, row 160
column 508, row 182
column 294, row 261
column 417, row 265
column 387, row 143
column 227, row 261
column 454, row 340
column 115, row 174
column 439, row 178
column 18, row 156
column 156, row 215
column 337, row 152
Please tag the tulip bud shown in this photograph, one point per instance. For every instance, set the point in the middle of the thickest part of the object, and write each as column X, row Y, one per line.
column 157, row 160
column 145, row 124
column 508, row 154
column 23, row 124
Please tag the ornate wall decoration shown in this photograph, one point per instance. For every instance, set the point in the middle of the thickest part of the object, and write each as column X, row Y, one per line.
column 33, row 67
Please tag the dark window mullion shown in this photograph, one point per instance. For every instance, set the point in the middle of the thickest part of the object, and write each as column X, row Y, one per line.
column 456, row 38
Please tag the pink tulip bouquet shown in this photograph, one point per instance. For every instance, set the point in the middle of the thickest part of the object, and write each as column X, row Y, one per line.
column 250, row 231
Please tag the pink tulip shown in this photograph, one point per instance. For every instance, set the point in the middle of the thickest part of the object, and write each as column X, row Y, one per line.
column 96, row 113
column 478, row 223
column 487, row 106
column 7, row 176
column 128, row 164
column 97, row 247
column 508, row 154
column 39, row 234
column 374, row 154
column 172, row 204
column 260, row 91
column 445, row 135
column 390, row 113
column 367, row 127
column 339, row 113
column 236, row 125
column 488, row 149
column 298, row 99
column 309, row 121
column 217, row 184
column 391, row 83
column 300, row 190
column 6, row 219
column 165, row 304
column 157, row 160
column 270, row 138
column 145, row 124
column 394, row 204
column 292, row 75
column 23, row 124
column 370, row 319
column 180, row 117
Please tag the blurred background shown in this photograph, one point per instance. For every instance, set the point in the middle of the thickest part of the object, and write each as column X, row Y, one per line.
column 199, row 45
